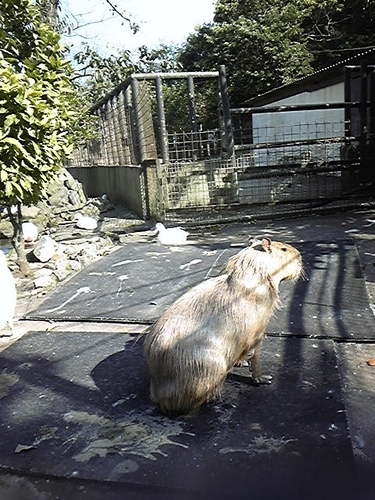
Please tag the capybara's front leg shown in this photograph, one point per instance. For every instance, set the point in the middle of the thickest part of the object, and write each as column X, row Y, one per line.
column 255, row 367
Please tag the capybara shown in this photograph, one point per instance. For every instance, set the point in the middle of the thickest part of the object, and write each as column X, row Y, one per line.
column 216, row 325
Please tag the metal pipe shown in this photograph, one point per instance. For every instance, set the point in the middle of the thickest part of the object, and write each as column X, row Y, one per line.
column 293, row 107
column 177, row 75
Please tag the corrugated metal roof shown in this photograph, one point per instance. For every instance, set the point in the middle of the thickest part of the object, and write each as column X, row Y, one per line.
column 321, row 76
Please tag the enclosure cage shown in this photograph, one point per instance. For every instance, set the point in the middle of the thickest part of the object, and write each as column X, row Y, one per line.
column 197, row 159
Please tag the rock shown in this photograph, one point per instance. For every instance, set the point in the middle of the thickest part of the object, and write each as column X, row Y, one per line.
column 61, row 198
column 74, row 198
column 85, row 222
column 75, row 265
column 43, row 282
column 45, row 249
column 43, row 272
column 123, row 238
column 72, row 251
column 62, row 270
column 6, row 229
column 74, row 186
column 30, row 212
column 88, row 255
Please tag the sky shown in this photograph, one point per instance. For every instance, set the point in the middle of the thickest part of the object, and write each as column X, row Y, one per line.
column 161, row 21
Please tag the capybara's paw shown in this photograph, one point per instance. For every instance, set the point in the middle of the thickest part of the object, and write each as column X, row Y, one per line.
column 261, row 380
column 242, row 363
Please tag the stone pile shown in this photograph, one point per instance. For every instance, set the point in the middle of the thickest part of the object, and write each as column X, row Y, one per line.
column 73, row 232
column 54, row 261
column 64, row 199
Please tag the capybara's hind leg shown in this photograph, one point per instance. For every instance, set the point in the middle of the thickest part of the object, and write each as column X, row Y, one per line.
column 255, row 367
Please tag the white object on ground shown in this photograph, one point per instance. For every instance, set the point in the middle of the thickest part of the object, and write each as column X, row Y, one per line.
column 13, row 210
column 30, row 232
column 85, row 222
column 171, row 235
column 45, row 249
column 8, row 296
column 191, row 263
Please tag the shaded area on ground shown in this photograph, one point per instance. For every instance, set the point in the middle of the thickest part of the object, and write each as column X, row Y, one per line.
column 139, row 281
column 77, row 405
column 358, row 382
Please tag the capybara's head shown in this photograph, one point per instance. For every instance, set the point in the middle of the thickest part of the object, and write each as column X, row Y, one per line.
column 266, row 259
column 286, row 260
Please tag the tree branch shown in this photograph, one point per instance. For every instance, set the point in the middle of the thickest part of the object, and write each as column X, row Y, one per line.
column 133, row 26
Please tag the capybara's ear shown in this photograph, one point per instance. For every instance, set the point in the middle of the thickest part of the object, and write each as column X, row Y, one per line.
column 253, row 241
column 266, row 244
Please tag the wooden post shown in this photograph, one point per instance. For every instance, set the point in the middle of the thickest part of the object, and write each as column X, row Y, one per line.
column 228, row 141
column 192, row 116
column 147, row 123
column 112, row 129
column 138, row 122
column 130, row 125
column 153, row 196
column 163, row 135
column 124, row 129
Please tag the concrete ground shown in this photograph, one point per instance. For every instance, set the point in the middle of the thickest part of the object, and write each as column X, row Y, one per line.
column 357, row 376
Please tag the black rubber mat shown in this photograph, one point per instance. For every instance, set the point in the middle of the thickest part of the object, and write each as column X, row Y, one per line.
column 333, row 301
column 76, row 405
column 138, row 282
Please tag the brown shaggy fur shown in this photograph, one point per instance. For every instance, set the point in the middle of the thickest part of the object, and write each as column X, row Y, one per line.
column 213, row 326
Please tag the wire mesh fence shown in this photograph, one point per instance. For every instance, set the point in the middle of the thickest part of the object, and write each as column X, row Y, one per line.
column 113, row 143
column 191, row 145
column 271, row 166
column 281, row 161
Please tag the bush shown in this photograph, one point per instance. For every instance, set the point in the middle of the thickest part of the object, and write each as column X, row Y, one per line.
column 37, row 103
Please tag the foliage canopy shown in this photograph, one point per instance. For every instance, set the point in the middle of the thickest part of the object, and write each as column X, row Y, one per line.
column 268, row 43
column 38, row 104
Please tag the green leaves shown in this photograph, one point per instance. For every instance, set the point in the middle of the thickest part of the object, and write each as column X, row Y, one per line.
column 266, row 43
column 38, row 104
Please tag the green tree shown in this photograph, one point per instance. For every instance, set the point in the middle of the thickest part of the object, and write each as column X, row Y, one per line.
column 38, row 109
column 268, row 43
column 260, row 43
column 97, row 75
